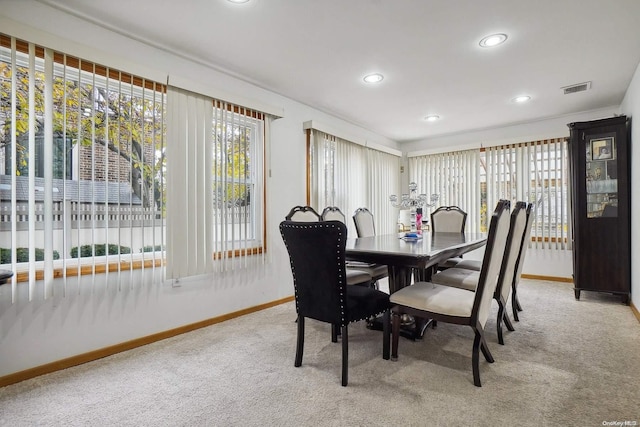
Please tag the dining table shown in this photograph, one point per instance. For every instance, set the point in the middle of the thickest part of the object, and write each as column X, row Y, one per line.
column 410, row 258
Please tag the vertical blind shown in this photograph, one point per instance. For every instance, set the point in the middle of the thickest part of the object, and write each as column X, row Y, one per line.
column 350, row 176
column 215, row 175
column 536, row 172
column 474, row 180
column 81, row 155
column 455, row 178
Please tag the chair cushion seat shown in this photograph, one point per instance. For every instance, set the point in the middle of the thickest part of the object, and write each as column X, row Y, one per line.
column 358, row 277
column 377, row 271
column 435, row 298
column 363, row 302
column 458, row 278
column 450, row 263
column 470, row 264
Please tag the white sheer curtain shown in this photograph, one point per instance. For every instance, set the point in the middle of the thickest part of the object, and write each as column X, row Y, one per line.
column 455, row 178
column 350, row 176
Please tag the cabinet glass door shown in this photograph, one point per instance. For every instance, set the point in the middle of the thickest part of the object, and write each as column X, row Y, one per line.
column 602, row 178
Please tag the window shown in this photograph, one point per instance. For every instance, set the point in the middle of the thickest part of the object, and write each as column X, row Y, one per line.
column 535, row 172
column 83, row 162
column 237, row 148
column 215, row 176
column 349, row 175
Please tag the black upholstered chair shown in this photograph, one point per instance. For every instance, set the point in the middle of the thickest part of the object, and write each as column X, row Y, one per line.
column 317, row 254
column 355, row 276
column 459, row 306
column 377, row 271
column 468, row 279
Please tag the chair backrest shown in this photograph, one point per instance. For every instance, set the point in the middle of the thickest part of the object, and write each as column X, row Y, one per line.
column 333, row 213
column 491, row 262
column 363, row 219
column 317, row 256
column 526, row 237
column 448, row 219
column 303, row 214
column 517, row 228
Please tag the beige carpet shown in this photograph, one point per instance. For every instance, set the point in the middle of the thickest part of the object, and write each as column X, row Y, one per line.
column 571, row 363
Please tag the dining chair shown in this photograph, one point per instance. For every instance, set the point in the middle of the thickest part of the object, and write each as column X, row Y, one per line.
column 363, row 220
column 355, row 276
column 471, row 264
column 448, row 219
column 303, row 213
column 317, row 255
column 526, row 238
column 469, row 279
column 377, row 271
column 454, row 305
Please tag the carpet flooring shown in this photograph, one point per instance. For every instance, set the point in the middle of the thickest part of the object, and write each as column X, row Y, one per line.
column 570, row 363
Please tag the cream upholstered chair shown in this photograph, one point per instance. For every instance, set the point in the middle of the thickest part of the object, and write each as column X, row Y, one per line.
column 308, row 214
column 303, row 214
column 475, row 265
column 468, row 279
column 377, row 271
column 454, row 305
column 526, row 238
column 363, row 219
column 448, row 219
column 317, row 255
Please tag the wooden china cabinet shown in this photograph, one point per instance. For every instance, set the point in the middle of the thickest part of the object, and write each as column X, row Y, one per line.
column 599, row 163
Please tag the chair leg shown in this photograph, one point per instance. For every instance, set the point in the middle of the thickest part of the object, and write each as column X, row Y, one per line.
column 395, row 334
column 386, row 329
column 485, row 349
column 507, row 322
column 334, row 333
column 499, row 322
column 518, row 306
column 515, row 304
column 345, row 356
column 475, row 359
column 479, row 344
column 300, row 343
column 502, row 316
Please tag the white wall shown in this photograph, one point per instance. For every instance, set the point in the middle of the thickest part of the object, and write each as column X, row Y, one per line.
column 93, row 314
column 631, row 106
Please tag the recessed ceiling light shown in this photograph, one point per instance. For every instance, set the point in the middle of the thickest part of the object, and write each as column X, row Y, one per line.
column 493, row 40
column 238, row 1
column 373, row 78
column 432, row 118
column 521, row 99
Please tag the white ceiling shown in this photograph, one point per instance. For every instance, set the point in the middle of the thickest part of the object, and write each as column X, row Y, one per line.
column 317, row 51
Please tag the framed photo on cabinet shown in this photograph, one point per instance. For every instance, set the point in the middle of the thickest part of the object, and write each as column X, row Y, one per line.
column 602, row 149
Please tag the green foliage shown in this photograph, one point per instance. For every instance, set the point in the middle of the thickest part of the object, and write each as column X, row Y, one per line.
column 155, row 248
column 99, row 250
column 23, row 255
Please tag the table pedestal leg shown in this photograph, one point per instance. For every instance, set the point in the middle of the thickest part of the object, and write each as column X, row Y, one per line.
column 410, row 327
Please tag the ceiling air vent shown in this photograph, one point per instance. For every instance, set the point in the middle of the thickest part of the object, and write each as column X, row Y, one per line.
column 580, row 87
